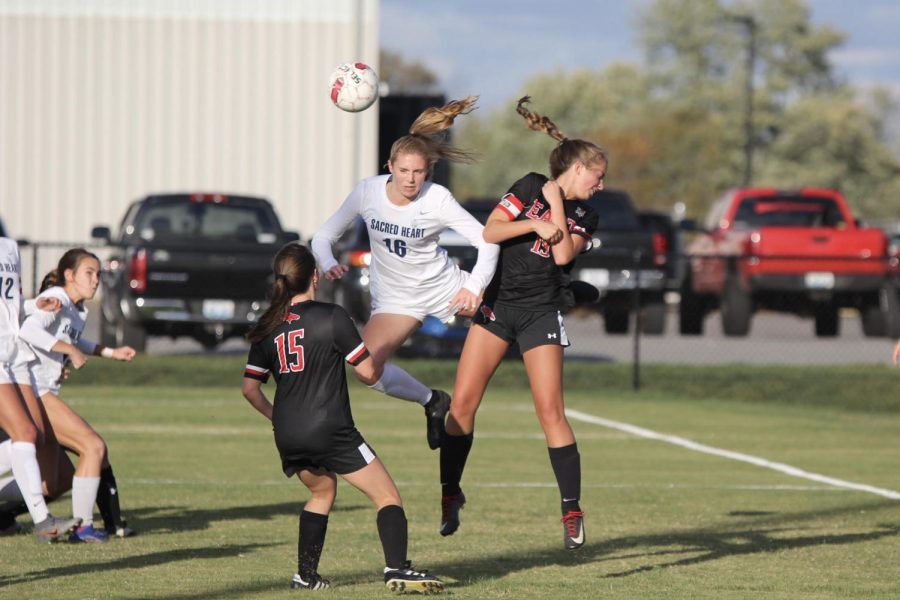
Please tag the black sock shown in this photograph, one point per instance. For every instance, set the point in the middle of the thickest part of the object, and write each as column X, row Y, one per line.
column 454, row 453
column 566, row 463
column 108, row 500
column 392, row 530
column 310, row 542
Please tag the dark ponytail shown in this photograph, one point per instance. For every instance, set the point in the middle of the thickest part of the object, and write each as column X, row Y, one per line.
column 50, row 280
column 294, row 267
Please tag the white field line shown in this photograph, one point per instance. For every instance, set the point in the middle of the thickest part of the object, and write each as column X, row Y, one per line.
column 753, row 460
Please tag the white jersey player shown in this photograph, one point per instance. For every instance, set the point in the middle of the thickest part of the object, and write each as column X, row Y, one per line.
column 410, row 273
column 50, row 339
column 18, row 412
column 411, row 277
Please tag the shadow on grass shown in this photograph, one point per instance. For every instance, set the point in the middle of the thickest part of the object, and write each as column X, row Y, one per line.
column 164, row 519
column 138, row 561
column 772, row 533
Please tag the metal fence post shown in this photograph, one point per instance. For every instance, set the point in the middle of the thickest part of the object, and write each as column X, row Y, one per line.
column 636, row 307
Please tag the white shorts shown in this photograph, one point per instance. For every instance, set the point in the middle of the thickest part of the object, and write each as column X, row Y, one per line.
column 20, row 375
column 419, row 305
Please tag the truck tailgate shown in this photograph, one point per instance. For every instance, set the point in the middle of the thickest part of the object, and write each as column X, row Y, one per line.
column 802, row 249
column 239, row 271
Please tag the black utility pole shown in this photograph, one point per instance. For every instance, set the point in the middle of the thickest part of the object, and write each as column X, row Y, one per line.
column 749, row 23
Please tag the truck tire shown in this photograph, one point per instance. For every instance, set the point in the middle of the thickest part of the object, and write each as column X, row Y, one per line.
column 827, row 321
column 736, row 309
column 653, row 318
column 890, row 307
column 690, row 311
column 615, row 320
column 107, row 335
column 129, row 334
column 874, row 322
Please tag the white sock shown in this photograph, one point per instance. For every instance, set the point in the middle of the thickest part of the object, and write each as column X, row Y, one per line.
column 398, row 383
column 5, row 456
column 28, row 475
column 84, row 494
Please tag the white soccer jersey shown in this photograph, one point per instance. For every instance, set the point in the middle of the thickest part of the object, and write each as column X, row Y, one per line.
column 42, row 329
column 407, row 263
column 10, row 298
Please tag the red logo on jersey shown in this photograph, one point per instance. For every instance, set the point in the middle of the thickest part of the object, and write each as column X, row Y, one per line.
column 291, row 317
column 488, row 313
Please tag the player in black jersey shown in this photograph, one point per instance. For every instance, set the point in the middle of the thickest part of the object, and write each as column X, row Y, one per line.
column 303, row 344
column 541, row 226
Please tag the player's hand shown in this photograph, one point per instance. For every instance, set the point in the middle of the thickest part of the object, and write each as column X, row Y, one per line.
column 552, row 192
column 896, row 355
column 336, row 272
column 124, row 353
column 465, row 303
column 547, row 231
column 48, row 304
column 78, row 359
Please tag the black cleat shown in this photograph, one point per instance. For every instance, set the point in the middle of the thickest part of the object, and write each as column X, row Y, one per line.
column 435, row 412
column 408, row 579
column 316, row 582
column 450, row 507
column 573, row 529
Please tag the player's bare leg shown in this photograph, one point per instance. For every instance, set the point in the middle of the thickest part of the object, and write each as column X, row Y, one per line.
column 544, row 365
column 383, row 335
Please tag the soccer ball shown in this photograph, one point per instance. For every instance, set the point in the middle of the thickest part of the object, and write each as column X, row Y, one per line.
column 354, row 87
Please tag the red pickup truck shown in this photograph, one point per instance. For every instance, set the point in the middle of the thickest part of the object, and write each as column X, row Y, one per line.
column 797, row 251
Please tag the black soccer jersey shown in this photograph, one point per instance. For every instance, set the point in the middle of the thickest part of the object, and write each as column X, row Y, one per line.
column 527, row 276
column 306, row 354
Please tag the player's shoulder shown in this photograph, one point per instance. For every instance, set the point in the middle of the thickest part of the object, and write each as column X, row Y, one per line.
column 8, row 245
column 56, row 292
column 527, row 187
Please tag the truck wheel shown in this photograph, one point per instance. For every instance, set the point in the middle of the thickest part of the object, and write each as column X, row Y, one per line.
column 690, row 312
column 890, row 307
column 107, row 330
column 129, row 334
column 827, row 321
column 653, row 318
column 874, row 322
column 736, row 310
column 615, row 320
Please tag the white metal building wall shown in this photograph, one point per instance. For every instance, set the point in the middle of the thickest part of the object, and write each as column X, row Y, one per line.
column 104, row 101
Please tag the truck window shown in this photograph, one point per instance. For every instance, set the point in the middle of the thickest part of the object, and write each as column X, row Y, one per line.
column 614, row 210
column 190, row 220
column 787, row 211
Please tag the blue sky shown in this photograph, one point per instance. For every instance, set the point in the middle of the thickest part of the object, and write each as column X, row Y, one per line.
column 491, row 47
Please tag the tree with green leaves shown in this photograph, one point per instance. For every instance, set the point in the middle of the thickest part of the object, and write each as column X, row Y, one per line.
column 675, row 127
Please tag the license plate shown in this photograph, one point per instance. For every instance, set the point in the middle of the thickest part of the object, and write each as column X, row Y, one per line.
column 599, row 278
column 218, row 310
column 819, row 280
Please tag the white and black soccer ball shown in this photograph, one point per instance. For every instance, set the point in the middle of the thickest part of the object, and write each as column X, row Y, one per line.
column 354, row 86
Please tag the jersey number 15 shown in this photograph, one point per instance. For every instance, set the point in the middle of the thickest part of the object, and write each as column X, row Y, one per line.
column 290, row 351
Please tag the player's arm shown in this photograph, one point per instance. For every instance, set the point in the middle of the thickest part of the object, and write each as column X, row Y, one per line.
column 331, row 230
column 121, row 353
column 501, row 226
column 35, row 331
column 252, row 390
column 569, row 246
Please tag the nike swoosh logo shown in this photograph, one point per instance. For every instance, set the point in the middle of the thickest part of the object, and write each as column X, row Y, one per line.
column 580, row 538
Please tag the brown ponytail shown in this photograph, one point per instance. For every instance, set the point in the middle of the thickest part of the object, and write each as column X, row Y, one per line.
column 50, row 279
column 293, row 266
column 426, row 134
column 568, row 151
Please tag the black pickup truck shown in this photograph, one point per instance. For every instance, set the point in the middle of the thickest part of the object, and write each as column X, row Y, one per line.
column 625, row 254
column 195, row 265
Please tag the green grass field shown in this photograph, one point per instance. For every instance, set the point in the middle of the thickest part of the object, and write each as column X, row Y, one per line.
column 200, row 480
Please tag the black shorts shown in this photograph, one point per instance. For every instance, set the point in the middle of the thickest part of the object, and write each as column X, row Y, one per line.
column 529, row 329
column 344, row 457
